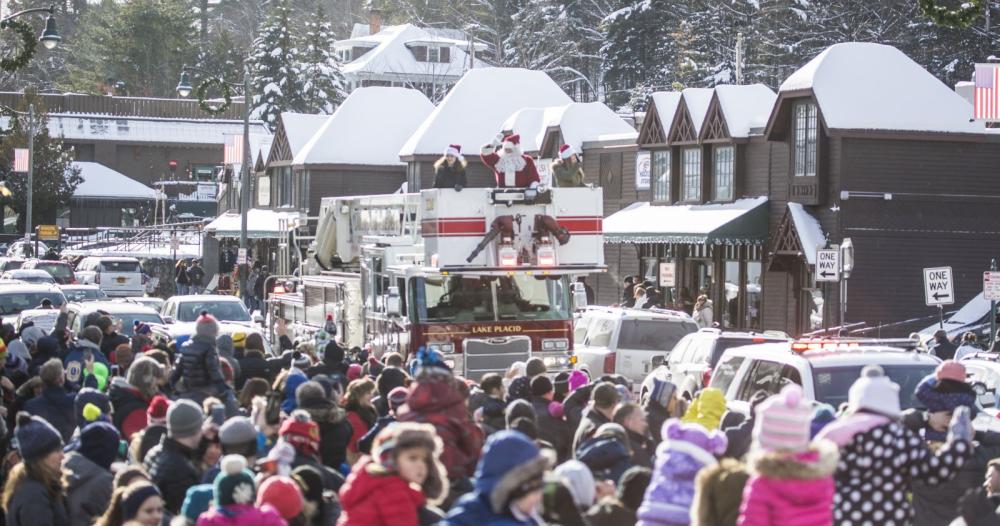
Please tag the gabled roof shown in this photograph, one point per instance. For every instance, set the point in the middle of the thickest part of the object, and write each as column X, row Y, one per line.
column 477, row 106
column 292, row 133
column 659, row 117
column 697, row 100
column 368, row 128
column 99, row 181
column 577, row 122
column 864, row 86
column 745, row 107
column 391, row 55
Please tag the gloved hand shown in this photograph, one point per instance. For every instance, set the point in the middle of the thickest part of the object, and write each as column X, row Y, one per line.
column 960, row 428
column 498, row 140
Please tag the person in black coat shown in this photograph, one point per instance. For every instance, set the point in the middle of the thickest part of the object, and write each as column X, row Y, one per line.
column 552, row 428
column 333, row 361
column 170, row 464
column 334, row 429
column 198, row 364
column 449, row 170
column 633, row 419
column 943, row 348
column 34, row 494
column 55, row 404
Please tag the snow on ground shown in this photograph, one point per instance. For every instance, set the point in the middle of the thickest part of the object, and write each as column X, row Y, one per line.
column 368, row 128
column 863, row 86
column 477, row 106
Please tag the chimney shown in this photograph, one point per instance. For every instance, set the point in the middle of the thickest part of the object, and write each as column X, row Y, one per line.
column 374, row 19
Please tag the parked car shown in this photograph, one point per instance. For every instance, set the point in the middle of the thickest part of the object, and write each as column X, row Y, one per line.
column 28, row 275
column 116, row 276
column 15, row 298
column 10, row 264
column 182, row 331
column 125, row 312
column 81, row 293
column 982, row 371
column 693, row 359
column 26, row 249
column 186, row 309
column 61, row 271
column 625, row 341
column 825, row 369
column 44, row 319
column 149, row 301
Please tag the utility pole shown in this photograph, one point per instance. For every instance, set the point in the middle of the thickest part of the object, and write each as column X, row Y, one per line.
column 739, row 58
column 993, row 310
column 31, row 168
column 245, row 182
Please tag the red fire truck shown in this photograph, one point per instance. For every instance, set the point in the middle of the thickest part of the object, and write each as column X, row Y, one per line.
column 484, row 276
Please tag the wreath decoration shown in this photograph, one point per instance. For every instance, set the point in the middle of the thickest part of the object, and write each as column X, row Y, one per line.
column 28, row 45
column 962, row 16
column 202, row 92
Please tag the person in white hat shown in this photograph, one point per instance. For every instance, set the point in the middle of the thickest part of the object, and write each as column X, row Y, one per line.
column 511, row 167
column 449, row 170
column 880, row 458
column 567, row 170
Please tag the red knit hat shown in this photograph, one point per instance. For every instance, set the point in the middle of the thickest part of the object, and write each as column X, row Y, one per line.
column 156, row 413
column 566, row 151
column 301, row 432
column 354, row 371
column 283, row 494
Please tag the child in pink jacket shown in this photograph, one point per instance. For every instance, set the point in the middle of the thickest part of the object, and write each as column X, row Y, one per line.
column 791, row 479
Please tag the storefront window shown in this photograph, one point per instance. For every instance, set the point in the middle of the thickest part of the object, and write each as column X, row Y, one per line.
column 753, row 295
column 691, row 174
column 661, row 175
column 264, row 191
column 724, row 167
column 730, row 312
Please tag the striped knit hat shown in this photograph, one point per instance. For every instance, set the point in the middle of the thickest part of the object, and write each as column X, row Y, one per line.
column 783, row 421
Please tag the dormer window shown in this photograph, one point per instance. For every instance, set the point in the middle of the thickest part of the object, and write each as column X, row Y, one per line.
column 724, row 161
column 804, row 125
column 691, row 174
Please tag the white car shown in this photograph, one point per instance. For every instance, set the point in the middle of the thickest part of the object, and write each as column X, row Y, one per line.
column 124, row 313
column 186, row 309
column 26, row 275
column 184, row 331
column 80, row 293
column 116, row 276
column 825, row 369
column 44, row 319
column 26, row 249
column 15, row 298
column 625, row 341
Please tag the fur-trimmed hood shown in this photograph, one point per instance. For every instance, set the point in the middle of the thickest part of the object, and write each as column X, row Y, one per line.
column 324, row 411
column 819, row 461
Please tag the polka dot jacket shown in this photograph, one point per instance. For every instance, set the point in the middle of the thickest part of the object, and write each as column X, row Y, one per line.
column 875, row 470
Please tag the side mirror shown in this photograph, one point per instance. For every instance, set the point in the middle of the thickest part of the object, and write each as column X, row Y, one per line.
column 579, row 296
column 987, row 400
column 392, row 303
column 258, row 318
column 168, row 319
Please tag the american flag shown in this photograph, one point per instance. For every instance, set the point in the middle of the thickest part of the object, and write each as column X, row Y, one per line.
column 233, row 150
column 21, row 160
column 987, row 92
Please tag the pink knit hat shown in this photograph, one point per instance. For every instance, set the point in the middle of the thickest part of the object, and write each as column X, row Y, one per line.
column 783, row 421
column 354, row 371
column 950, row 370
column 577, row 379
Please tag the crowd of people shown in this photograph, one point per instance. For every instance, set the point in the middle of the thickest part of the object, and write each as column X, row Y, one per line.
column 214, row 431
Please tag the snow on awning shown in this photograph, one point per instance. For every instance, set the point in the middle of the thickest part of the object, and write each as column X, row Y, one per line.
column 742, row 222
column 261, row 224
column 101, row 182
column 809, row 230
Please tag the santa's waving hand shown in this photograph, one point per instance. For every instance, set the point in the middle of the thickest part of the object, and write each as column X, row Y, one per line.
column 511, row 167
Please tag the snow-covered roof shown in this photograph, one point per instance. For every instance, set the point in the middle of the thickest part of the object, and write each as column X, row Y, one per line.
column 80, row 127
column 697, row 101
column 261, row 223
column 357, row 133
column 391, row 56
column 578, row 122
column 300, row 127
column 99, row 181
column 864, row 86
column 477, row 106
column 666, row 106
column 745, row 107
column 810, row 232
column 711, row 223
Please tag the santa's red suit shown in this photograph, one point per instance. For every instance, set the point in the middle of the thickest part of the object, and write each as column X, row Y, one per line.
column 511, row 168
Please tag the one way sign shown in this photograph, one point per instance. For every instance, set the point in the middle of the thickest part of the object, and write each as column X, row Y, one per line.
column 939, row 288
column 828, row 264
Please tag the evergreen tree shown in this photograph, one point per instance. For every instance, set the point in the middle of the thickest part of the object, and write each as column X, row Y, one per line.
column 322, row 82
column 54, row 179
column 222, row 55
column 639, row 51
column 276, row 86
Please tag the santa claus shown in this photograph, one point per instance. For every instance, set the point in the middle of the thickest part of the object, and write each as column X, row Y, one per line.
column 511, row 167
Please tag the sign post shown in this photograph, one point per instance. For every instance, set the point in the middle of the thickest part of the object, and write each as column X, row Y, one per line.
column 668, row 274
column 827, row 271
column 991, row 291
column 939, row 289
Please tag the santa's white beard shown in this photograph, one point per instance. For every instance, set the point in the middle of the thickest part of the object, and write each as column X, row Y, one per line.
column 509, row 164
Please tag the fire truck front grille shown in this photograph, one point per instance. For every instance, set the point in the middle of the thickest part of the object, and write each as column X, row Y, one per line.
column 494, row 355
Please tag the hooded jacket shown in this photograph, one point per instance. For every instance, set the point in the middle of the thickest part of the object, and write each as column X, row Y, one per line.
column 334, row 430
column 378, row 500
column 88, row 489
column 606, row 456
column 436, row 400
column 718, row 494
column 32, row 505
column 129, row 405
column 198, row 366
column 791, row 489
column 55, row 405
column 74, row 361
column 172, row 469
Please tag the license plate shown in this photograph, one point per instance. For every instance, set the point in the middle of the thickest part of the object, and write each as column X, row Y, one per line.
column 120, row 280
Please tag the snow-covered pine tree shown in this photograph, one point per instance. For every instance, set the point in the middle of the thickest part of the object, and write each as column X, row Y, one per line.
column 322, row 83
column 276, row 85
column 639, row 51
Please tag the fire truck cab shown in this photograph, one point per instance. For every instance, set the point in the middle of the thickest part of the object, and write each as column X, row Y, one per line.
column 484, row 276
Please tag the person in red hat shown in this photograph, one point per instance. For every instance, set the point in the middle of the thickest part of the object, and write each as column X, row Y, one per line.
column 449, row 170
column 511, row 167
column 567, row 170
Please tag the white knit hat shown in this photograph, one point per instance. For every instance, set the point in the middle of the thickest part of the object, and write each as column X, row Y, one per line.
column 579, row 481
column 875, row 392
column 782, row 421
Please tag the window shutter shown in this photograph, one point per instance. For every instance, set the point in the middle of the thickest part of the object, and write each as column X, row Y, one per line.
column 445, row 55
column 420, row 52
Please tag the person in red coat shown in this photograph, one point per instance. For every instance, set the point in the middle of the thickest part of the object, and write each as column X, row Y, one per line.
column 402, row 476
column 511, row 167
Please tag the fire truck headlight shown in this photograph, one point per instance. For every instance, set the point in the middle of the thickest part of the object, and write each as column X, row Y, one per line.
column 556, row 361
column 450, row 364
column 555, row 344
column 441, row 347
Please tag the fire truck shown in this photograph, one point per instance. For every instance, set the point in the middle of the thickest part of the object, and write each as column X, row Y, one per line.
column 485, row 276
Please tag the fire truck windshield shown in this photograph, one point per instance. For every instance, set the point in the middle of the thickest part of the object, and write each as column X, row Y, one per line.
column 458, row 299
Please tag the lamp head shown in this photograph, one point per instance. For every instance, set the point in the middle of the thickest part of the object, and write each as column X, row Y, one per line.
column 50, row 36
column 184, row 88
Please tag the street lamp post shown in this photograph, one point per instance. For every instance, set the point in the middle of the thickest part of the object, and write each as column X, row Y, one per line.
column 50, row 36
column 184, row 89
column 846, row 267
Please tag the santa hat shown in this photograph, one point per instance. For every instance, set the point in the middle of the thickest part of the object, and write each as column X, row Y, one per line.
column 156, row 413
column 566, row 151
column 454, row 149
column 301, row 432
column 512, row 141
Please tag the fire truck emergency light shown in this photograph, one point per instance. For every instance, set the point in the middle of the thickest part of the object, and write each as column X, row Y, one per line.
column 507, row 255
column 546, row 256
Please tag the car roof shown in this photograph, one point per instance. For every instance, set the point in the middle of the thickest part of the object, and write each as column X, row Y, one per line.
column 115, row 307
column 79, row 287
column 29, row 287
column 47, row 261
column 27, row 272
column 647, row 314
column 206, row 297
column 740, row 335
column 113, row 258
column 37, row 312
column 868, row 354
